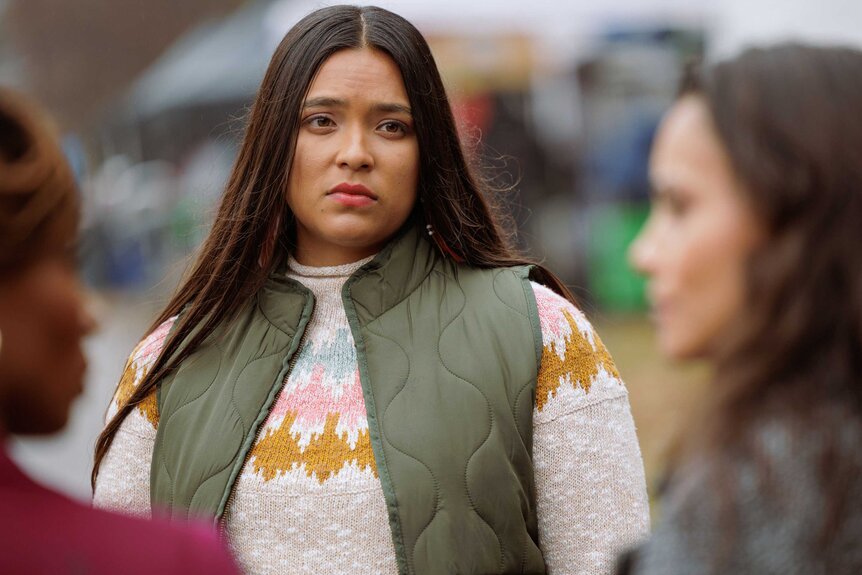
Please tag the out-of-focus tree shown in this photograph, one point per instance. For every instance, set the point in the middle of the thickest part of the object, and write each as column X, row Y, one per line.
column 79, row 55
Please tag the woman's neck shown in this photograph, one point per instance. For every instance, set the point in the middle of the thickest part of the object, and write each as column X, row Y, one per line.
column 320, row 257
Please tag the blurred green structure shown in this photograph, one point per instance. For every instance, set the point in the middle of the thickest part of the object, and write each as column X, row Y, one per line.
column 613, row 283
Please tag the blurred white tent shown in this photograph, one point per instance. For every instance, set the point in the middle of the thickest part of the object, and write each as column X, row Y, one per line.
column 225, row 60
column 217, row 61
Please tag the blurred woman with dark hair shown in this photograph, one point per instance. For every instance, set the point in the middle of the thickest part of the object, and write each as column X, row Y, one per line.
column 752, row 252
column 359, row 375
column 42, row 324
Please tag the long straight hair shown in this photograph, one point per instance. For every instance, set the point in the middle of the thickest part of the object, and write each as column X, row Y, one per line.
column 230, row 269
column 789, row 119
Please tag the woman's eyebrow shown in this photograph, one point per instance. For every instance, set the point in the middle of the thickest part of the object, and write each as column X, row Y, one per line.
column 324, row 102
column 328, row 102
column 393, row 108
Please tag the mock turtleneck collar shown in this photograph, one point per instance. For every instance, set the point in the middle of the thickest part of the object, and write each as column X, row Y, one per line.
column 297, row 270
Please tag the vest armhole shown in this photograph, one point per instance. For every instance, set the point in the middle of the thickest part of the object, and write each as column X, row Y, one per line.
column 527, row 275
column 168, row 337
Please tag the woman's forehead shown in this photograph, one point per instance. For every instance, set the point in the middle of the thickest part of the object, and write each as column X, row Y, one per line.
column 359, row 73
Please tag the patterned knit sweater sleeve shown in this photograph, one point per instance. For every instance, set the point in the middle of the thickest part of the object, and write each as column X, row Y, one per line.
column 590, row 486
column 123, row 483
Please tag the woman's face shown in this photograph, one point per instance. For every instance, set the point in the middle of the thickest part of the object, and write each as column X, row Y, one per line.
column 42, row 365
column 699, row 235
column 356, row 166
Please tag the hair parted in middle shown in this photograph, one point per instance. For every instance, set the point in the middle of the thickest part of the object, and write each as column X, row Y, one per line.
column 231, row 265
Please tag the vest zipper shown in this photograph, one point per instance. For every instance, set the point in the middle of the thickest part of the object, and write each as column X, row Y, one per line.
column 222, row 521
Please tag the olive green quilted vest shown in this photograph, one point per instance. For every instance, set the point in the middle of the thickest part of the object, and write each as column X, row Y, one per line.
column 448, row 359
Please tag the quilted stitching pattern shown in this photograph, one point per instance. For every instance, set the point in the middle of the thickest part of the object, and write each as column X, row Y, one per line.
column 453, row 388
column 193, row 470
column 447, row 357
column 206, row 365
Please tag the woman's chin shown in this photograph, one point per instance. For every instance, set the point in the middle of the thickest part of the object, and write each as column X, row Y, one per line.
column 678, row 347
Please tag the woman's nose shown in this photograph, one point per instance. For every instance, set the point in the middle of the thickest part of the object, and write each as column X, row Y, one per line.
column 355, row 152
column 642, row 251
column 86, row 317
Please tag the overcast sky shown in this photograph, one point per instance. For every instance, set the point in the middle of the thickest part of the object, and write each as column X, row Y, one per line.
column 731, row 24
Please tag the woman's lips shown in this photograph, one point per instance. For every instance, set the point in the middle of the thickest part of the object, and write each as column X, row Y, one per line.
column 354, row 195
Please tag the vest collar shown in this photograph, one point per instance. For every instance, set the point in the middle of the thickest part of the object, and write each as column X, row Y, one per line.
column 398, row 270
column 394, row 273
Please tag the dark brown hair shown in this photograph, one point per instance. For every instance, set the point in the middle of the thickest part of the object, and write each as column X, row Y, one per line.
column 39, row 203
column 227, row 272
column 790, row 119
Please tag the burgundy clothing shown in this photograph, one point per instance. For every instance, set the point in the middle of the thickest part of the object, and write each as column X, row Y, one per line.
column 42, row 531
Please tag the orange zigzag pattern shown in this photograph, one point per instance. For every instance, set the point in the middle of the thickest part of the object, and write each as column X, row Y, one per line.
column 279, row 451
column 149, row 407
column 580, row 360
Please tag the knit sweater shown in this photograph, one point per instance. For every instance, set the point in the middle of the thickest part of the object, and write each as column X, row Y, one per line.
column 309, row 499
column 767, row 510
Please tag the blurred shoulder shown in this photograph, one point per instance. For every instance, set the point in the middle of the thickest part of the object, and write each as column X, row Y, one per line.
column 53, row 533
column 170, row 547
column 795, row 480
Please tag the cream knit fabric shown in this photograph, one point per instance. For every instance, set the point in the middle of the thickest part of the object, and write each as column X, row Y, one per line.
column 309, row 499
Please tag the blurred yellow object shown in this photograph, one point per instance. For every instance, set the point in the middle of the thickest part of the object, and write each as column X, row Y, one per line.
column 498, row 62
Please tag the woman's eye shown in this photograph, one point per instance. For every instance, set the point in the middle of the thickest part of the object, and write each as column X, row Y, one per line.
column 672, row 201
column 678, row 206
column 320, row 122
column 393, row 127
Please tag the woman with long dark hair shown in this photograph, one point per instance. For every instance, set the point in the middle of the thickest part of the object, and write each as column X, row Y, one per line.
column 752, row 251
column 358, row 374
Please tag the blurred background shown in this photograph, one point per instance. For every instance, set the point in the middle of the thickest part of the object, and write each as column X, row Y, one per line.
column 558, row 100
